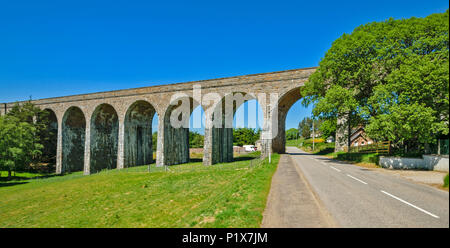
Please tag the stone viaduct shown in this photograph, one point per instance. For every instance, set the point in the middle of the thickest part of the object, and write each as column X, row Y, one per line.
column 114, row 129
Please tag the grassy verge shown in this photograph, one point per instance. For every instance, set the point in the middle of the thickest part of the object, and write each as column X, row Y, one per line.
column 321, row 148
column 183, row 197
column 446, row 181
column 327, row 149
column 294, row 142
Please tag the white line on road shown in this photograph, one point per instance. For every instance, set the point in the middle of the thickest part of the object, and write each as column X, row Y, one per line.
column 334, row 168
column 416, row 207
column 361, row 181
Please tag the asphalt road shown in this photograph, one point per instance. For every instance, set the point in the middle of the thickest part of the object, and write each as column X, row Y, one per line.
column 359, row 197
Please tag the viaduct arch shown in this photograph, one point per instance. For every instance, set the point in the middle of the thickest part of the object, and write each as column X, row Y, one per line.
column 113, row 129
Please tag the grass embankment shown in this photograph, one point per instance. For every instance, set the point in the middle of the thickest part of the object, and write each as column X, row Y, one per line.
column 190, row 195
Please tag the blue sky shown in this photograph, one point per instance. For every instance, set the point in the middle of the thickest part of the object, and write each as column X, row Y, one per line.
column 57, row 48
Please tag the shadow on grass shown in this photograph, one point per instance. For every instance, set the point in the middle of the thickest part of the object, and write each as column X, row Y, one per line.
column 325, row 151
column 358, row 157
column 14, row 180
column 243, row 158
column 195, row 160
column 11, row 184
column 235, row 159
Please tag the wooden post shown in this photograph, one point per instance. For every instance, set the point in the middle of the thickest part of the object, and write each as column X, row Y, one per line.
column 389, row 147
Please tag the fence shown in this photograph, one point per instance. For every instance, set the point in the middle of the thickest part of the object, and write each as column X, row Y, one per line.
column 441, row 147
column 377, row 147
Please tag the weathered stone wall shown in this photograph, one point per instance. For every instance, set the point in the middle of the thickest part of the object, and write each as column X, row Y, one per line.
column 108, row 135
column 104, row 138
column 138, row 135
column 51, row 141
column 222, row 145
column 73, row 140
column 285, row 103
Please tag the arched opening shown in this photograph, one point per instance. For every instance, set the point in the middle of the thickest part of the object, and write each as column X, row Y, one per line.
column 196, row 134
column 73, row 140
column 241, row 120
column 49, row 138
column 176, row 130
column 285, row 103
column 104, row 138
column 138, row 146
column 155, row 123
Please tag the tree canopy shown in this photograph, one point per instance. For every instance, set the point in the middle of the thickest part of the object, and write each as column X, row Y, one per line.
column 292, row 134
column 22, row 135
column 305, row 127
column 391, row 76
column 245, row 136
column 195, row 140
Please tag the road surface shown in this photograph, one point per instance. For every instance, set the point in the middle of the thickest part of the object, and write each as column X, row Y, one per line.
column 359, row 197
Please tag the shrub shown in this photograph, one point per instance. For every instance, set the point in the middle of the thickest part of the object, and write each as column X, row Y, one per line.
column 374, row 158
column 359, row 157
column 310, row 141
column 446, row 181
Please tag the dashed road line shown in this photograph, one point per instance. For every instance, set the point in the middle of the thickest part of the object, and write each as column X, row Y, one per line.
column 412, row 205
column 334, row 168
column 384, row 192
column 361, row 181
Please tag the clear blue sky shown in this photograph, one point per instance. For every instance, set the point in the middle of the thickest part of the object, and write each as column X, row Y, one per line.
column 57, row 48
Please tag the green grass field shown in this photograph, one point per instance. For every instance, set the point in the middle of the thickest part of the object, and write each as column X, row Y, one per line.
column 189, row 195
column 294, row 142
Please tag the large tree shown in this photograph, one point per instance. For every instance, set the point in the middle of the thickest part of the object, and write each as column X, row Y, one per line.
column 23, row 133
column 245, row 136
column 19, row 144
column 391, row 76
column 195, row 140
column 328, row 127
column 292, row 134
column 305, row 127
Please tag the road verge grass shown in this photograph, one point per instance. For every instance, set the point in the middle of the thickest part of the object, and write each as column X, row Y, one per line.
column 446, row 181
column 368, row 160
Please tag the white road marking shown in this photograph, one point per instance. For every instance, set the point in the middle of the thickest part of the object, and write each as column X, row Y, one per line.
column 416, row 207
column 361, row 181
column 334, row 168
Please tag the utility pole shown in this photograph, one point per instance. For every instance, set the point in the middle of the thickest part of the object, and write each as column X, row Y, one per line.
column 269, row 141
column 314, row 136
